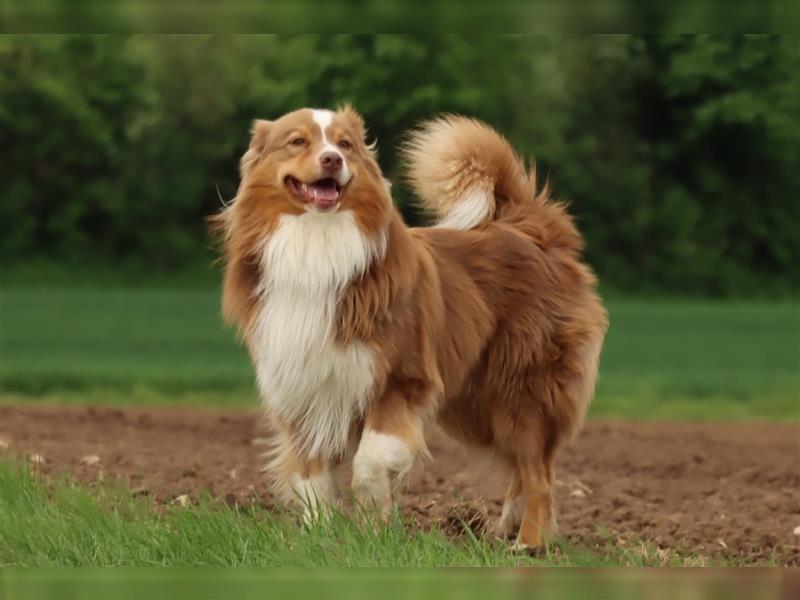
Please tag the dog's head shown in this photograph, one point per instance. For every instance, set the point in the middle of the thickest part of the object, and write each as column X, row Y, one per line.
column 307, row 161
column 312, row 160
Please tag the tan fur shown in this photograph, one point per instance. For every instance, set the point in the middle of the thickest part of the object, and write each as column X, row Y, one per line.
column 495, row 332
column 451, row 156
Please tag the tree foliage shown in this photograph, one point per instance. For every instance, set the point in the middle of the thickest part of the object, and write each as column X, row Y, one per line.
column 679, row 155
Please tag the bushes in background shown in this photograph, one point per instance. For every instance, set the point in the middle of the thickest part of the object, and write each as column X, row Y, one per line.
column 679, row 155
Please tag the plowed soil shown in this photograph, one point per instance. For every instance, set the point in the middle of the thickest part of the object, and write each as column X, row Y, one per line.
column 706, row 489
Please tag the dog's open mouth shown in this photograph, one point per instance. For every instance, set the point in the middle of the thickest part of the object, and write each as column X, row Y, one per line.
column 322, row 194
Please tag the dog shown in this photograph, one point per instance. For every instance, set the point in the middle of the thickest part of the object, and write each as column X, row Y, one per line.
column 363, row 331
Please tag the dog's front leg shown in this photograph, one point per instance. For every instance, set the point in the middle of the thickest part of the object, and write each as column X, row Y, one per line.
column 299, row 479
column 393, row 435
column 312, row 485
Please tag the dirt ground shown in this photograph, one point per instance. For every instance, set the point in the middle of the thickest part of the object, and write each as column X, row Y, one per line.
column 710, row 489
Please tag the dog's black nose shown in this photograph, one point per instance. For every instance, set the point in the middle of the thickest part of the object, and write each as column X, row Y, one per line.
column 331, row 161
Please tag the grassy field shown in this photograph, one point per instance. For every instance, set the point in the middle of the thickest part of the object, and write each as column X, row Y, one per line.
column 58, row 523
column 677, row 359
column 682, row 359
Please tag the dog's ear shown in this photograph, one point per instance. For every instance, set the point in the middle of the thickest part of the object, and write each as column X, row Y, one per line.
column 349, row 114
column 356, row 122
column 259, row 134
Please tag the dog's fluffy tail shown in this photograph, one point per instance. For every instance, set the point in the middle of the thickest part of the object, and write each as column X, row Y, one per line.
column 465, row 173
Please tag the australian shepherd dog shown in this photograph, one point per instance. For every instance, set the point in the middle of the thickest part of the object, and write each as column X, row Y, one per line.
column 363, row 331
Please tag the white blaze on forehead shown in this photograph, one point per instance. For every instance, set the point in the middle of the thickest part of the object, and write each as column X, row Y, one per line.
column 324, row 118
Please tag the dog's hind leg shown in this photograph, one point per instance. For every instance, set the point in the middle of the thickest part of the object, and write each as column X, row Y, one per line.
column 532, row 440
column 538, row 521
column 513, row 507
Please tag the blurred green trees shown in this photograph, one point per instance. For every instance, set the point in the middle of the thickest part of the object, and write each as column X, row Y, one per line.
column 680, row 155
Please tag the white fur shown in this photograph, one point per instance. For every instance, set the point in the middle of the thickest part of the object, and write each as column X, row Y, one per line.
column 305, row 376
column 511, row 516
column 380, row 450
column 316, row 493
column 379, row 455
column 324, row 118
column 470, row 211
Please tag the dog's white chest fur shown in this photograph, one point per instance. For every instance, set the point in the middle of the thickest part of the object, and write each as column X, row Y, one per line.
column 304, row 375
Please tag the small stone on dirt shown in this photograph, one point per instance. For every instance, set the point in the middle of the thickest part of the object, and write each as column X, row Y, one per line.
column 233, row 474
column 182, row 501
column 797, row 530
column 90, row 459
column 577, row 493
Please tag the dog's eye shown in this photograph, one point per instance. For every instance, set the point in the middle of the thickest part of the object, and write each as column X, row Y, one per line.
column 344, row 145
column 298, row 141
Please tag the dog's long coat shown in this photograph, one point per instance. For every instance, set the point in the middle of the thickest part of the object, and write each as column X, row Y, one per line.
column 363, row 330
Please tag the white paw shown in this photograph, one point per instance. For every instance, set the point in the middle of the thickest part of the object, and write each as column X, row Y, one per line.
column 520, row 547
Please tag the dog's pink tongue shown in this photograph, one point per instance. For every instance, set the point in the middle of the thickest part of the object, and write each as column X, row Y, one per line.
column 324, row 195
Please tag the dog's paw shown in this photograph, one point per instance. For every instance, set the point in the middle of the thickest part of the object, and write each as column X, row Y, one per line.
column 518, row 547
column 521, row 548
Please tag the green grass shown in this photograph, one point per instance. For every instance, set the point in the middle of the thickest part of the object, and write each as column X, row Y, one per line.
column 58, row 523
column 701, row 359
column 681, row 359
